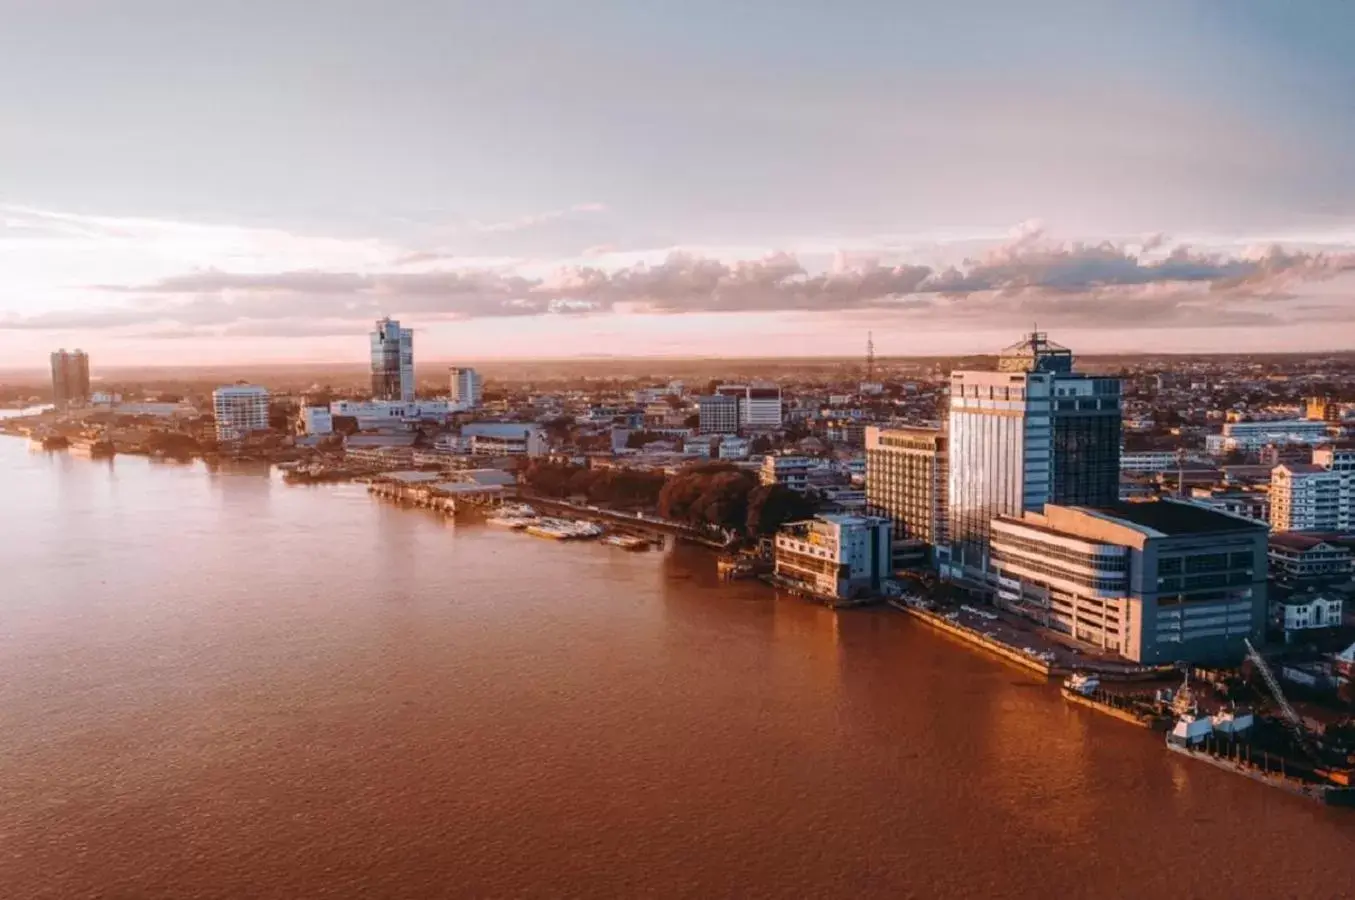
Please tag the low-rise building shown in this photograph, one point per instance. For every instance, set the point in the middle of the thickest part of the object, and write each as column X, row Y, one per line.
column 1308, row 611
column 316, row 420
column 1158, row 581
column 391, row 413
column 504, row 438
column 839, row 556
column 1296, row 557
column 732, row 447
column 793, row 472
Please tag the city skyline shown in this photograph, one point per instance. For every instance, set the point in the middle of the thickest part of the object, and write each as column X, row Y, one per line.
column 573, row 183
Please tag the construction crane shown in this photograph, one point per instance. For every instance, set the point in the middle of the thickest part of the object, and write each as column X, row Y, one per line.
column 1291, row 718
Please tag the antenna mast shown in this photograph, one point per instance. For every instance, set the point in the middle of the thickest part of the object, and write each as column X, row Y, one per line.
column 870, row 356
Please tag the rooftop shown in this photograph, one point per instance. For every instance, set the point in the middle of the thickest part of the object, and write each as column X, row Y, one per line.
column 1170, row 518
column 1296, row 540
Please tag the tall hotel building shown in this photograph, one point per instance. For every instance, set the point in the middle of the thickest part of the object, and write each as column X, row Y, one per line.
column 1032, row 432
column 70, row 378
column 392, row 362
column 906, row 480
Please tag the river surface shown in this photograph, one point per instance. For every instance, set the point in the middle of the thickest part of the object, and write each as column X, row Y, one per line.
column 213, row 685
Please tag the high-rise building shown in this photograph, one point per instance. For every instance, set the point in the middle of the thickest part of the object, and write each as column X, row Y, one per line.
column 70, row 378
column 719, row 414
column 392, row 361
column 1157, row 581
column 1032, row 432
column 1317, row 496
column 467, row 388
column 239, row 409
column 906, row 480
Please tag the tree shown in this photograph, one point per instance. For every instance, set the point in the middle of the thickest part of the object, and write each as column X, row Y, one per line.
column 772, row 505
column 760, row 445
column 344, row 425
column 692, row 421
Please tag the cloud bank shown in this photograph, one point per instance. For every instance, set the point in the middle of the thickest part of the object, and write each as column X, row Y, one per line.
column 1144, row 283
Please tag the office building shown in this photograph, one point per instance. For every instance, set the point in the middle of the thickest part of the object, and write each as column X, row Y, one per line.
column 906, row 480
column 1030, row 433
column 1157, row 582
column 760, row 405
column 839, row 556
column 719, row 414
column 240, row 409
column 467, row 388
column 70, row 378
column 392, row 361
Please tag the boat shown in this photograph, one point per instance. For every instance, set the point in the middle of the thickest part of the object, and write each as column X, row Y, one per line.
column 1085, row 685
column 516, row 523
column 515, row 511
column 564, row 529
column 626, row 542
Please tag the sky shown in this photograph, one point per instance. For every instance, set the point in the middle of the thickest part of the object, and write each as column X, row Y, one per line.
column 188, row 181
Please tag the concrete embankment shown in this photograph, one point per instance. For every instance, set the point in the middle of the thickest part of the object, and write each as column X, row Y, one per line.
column 980, row 640
column 1118, row 708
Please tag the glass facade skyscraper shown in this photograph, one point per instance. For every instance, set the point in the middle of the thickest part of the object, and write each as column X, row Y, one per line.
column 392, row 362
column 70, row 378
column 1031, row 433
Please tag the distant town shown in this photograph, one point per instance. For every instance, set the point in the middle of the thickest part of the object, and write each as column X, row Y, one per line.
column 1186, row 521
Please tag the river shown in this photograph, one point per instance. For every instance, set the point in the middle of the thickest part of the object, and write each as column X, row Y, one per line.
column 214, row 685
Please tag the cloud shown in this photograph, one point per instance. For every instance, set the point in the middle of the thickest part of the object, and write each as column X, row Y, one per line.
column 537, row 219
column 1029, row 276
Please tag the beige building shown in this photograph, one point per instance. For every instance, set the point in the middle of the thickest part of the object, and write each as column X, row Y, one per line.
column 906, row 481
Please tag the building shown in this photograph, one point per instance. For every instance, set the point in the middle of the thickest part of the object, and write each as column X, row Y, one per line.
column 239, row 409
column 734, row 447
column 906, row 480
column 467, row 387
column 1156, row 582
column 70, row 378
column 1321, row 409
column 719, row 414
column 838, row 556
column 1308, row 611
column 1152, row 461
column 1249, row 504
column 504, row 438
column 391, row 413
column 316, row 420
column 793, row 472
column 1030, row 433
column 1308, row 497
column 759, row 405
column 392, row 361
column 1296, row 558
column 1250, row 437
